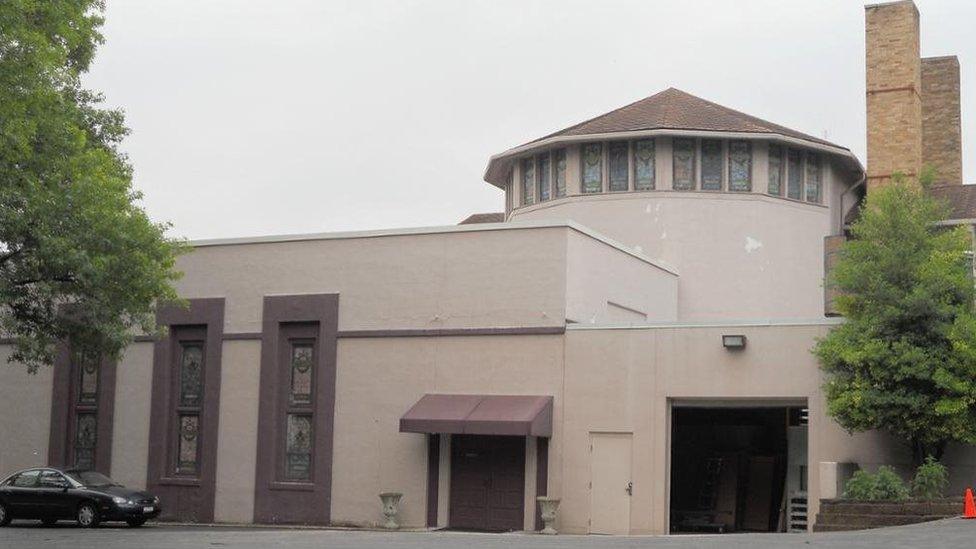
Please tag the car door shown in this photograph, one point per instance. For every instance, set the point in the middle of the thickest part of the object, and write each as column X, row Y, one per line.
column 53, row 499
column 21, row 494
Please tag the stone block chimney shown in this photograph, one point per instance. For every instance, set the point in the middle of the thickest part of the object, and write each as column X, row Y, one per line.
column 941, row 118
column 913, row 104
column 894, row 91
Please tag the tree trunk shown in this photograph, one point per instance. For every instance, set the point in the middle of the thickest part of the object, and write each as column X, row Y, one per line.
column 920, row 451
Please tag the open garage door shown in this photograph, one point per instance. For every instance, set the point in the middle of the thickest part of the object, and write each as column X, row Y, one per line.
column 738, row 469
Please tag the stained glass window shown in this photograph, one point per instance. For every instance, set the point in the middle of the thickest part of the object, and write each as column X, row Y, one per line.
column 618, row 166
column 559, row 159
column 684, row 164
column 528, row 180
column 302, row 362
column 88, row 378
column 794, row 187
column 298, row 462
column 189, row 438
column 740, row 166
column 775, row 170
column 711, row 165
column 644, row 164
column 814, row 184
column 543, row 177
column 86, row 433
column 191, row 374
column 592, row 168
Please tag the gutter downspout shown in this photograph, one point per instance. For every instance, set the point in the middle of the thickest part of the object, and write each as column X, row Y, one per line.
column 860, row 182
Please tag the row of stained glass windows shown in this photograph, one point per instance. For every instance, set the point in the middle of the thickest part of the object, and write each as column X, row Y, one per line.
column 298, row 419
column 544, row 177
column 801, row 172
column 716, row 166
column 619, row 157
column 792, row 170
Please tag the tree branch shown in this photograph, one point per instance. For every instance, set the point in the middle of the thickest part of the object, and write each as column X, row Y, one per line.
column 29, row 281
column 10, row 255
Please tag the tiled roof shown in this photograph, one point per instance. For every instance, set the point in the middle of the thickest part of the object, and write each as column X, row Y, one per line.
column 493, row 217
column 961, row 199
column 673, row 109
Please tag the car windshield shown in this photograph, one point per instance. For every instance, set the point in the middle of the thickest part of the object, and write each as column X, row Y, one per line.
column 91, row 478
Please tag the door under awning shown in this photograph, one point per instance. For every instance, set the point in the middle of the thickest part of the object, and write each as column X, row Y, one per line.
column 513, row 415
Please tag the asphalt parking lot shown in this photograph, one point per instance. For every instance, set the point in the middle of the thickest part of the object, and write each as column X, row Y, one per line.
column 952, row 533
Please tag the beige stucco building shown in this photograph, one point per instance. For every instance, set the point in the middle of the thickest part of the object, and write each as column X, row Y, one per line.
column 631, row 336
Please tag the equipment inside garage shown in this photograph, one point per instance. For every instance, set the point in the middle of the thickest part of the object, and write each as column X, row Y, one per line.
column 738, row 469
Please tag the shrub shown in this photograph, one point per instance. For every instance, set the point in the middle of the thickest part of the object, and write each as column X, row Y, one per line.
column 889, row 486
column 931, row 480
column 884, row 485
column 861, row 486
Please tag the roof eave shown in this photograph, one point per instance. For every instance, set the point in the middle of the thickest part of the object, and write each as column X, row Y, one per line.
column 495, row 175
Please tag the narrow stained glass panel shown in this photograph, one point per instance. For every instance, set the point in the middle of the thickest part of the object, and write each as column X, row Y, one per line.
column 740, row 166
column 302, row 362
column 88, row 382
column 560, row 172
column 298, row 450
column 644, row 164
column 593, row 168
column 794, row 187
column 528, row 180
column 775, row 170
column 711, row 165
column 86, row 435
column 618, row 166
column 814, row 184
column 684, row 164
column 188, row 443
column 191, row 373
column 544, row 177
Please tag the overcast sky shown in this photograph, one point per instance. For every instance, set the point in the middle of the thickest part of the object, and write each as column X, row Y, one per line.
column 271, row 117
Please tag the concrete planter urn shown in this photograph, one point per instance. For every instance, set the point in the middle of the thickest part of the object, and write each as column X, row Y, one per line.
column 391, row 506
column 548, row 507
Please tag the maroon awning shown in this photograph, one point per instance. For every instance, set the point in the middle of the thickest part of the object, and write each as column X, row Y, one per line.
column 480, row 415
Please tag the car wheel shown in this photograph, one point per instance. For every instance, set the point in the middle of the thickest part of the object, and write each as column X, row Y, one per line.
column 87, row 515
column 135, row 523
column 49, row 522
column 4, row 515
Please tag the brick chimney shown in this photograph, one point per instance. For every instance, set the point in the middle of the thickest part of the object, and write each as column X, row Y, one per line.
column 941, row 119
column 894, row 87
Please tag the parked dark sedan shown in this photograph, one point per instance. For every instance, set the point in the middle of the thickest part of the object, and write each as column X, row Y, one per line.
column 50, row 494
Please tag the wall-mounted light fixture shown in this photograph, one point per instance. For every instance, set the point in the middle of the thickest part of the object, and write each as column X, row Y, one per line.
column 734, row 342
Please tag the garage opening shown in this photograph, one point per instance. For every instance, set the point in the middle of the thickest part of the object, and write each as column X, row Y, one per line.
column 738, row 469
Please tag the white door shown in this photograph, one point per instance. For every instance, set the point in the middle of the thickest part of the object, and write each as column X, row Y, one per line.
column 610, row 483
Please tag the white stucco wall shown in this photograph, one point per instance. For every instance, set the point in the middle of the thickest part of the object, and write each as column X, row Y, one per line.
column 604, row 286
column 130, row 429
column 25, row 415
column 740, row 256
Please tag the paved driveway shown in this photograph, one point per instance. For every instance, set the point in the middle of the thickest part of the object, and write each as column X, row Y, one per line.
column 954, row 533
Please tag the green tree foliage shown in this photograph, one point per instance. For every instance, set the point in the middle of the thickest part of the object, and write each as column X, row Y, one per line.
column 905, row 359
column 79, row 258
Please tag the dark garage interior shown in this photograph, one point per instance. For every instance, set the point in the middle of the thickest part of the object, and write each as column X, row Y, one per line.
column 731, row 469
